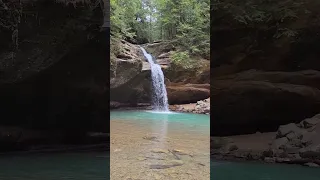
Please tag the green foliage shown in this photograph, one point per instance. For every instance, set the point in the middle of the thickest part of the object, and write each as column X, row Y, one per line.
column 184, row 21
column 122, row 16
column 260, row 14
column 188, row 22
column 182, row 61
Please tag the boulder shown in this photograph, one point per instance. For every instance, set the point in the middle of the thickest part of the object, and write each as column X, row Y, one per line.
column 290, row 130
column 202, row 107
column 248, row 106
column 291, row 135
column 309, row 138
column 310, row 122
column 160, row 48
column 312, row 154
column 129, row 83
column 296, row 143
column 306, row 77
column 183, row 94
column 278, row 143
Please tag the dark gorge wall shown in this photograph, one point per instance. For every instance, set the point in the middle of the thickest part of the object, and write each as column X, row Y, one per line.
column 264, row 72
column 58, row 77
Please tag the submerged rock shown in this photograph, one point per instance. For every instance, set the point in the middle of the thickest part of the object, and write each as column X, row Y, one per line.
column 159, row 151
column 166, row 165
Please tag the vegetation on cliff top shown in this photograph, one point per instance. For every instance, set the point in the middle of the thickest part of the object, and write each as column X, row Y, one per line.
column 12, row 12
column 184, row 23
column 268, row 15
column 272, row 31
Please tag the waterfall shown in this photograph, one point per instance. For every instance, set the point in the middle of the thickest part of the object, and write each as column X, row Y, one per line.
column 159, row 92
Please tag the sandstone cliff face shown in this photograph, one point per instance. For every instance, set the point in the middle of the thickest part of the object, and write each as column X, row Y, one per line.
column 254, row 101
column 163, row 51
column 261, row 81
column 129, row 81
column 131, row 76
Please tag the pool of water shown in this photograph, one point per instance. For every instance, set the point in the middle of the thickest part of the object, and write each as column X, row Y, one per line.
column 79, row 166
column 201, row 122
column 260, row 171
column 141, row 140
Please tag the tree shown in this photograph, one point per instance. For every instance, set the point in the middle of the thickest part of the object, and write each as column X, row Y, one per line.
column 184, row 22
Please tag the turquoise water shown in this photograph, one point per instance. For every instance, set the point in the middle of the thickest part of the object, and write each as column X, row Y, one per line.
column 79, row 166
column 260, row 171
column 198, row 121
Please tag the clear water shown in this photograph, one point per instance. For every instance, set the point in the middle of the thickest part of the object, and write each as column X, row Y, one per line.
column 159, row 92
column 260, row 171
column 132, row 155
column 79, row 166
column 199, row 122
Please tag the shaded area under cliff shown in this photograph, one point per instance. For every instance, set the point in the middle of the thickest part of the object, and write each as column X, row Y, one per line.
column 57, row 81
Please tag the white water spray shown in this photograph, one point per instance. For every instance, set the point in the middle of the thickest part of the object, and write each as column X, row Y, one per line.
column 159, row 92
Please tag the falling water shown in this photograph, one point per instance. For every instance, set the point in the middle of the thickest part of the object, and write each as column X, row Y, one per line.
column 159, row 94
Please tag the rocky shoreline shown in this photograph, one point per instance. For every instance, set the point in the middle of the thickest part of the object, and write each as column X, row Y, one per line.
column 291, row 144
column 201, row 107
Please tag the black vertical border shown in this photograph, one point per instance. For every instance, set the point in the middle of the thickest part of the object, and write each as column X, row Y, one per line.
column 106, row 36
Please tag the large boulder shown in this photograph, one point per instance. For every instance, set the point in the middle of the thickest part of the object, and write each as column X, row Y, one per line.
column 250, row 106
column 129, row 82
column 310, row 122
column 300, row 141
column 291, row 130
column 306, row 77
column 189, row 93
column 160, row 49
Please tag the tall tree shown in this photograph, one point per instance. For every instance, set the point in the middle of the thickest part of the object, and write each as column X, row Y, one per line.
column 185, row 22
